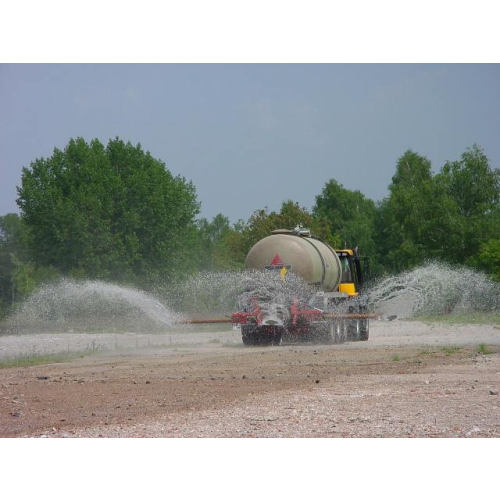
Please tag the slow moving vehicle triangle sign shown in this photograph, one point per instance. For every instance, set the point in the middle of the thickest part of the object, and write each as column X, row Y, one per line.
column 277, row 261
column 277, row 264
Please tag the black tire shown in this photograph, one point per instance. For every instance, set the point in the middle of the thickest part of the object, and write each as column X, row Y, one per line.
column 248, row 334
column 278, row 335
column 252, row 335
column 320, row 333
column 364, row 329
column 338, row 331
column 354, row 330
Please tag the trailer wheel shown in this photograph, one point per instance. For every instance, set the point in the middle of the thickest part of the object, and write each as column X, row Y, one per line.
column 338, row 331
column 320, row 333
column 264, row 340
column 252, row 335
column 278, row 335
column 364, row 331
column 354, row 330
column 249, row 335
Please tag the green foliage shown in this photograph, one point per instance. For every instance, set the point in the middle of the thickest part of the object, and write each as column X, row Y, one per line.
column 115, row 212
column 468, row 318
column 449, row 350
column 229, row 253
column 483, row 349
column 12, row 250
column 402, row 215
column 108, row 212
column 448, row 216
column 26, row 277
column 35, row 359
column 470, row 188
column 262, row 222
column 489, row 258
column 352, row 218
column 211, row 240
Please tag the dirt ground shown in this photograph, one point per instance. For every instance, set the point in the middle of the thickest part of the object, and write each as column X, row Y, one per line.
column 409, row 380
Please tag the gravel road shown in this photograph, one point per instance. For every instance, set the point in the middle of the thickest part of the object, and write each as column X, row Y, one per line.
column 409, row 380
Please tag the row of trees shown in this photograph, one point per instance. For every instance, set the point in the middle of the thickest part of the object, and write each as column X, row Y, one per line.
column 453, row 216
column 115, row 212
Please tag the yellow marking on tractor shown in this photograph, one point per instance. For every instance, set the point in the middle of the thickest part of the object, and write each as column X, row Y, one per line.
column 348, row 288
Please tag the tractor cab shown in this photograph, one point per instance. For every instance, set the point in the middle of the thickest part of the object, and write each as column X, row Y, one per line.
column 353, row 273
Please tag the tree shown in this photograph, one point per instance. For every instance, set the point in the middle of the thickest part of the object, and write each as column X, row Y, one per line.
column 447, row 217
column 229, row 254
column 403, row 214
column 488, row 258
column 18, row 276
column 111, row 211
column 470, row 188
column 351, row 217
column 211, row 236
column 262, row 222
column 11, row 247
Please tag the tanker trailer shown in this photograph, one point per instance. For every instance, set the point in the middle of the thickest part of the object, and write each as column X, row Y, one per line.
column 334, row 311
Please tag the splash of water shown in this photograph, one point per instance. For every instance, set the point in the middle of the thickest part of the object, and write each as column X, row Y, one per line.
column 98, row 306
column 435, row 288
column 93, row 306
column 221, row 293
column 90, row 305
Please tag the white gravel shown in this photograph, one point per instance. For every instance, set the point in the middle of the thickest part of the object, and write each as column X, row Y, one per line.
column 383, row 333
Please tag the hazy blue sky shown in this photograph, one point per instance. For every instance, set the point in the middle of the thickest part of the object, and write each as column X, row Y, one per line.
column 250, row 136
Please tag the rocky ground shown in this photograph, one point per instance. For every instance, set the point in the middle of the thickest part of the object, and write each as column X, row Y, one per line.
column 409, row 380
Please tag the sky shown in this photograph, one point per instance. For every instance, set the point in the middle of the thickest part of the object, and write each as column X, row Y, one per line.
column 251, row 136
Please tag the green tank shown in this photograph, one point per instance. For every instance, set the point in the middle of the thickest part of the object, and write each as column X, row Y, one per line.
column 299, row 253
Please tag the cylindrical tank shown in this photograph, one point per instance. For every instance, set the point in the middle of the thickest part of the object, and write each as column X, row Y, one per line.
column 310, row 258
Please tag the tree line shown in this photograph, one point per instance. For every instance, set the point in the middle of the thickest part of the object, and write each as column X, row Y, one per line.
column 114, row 212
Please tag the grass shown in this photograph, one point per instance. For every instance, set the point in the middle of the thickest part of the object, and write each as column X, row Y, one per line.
column 483, row 349
column 42, row 359
column 477, row 318
column 449, row 350
column 396, row 358
column 430, row 354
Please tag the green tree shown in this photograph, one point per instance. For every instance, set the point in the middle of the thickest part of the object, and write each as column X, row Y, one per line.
column 11, row 248
column 402, row 215
column 447, row 216
column 211, row 237
column 469, row 191
column 26, row 277
column 229, row 254
column 351, row 216
column 111, row 211
column 488, row 258
column 262, row 222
